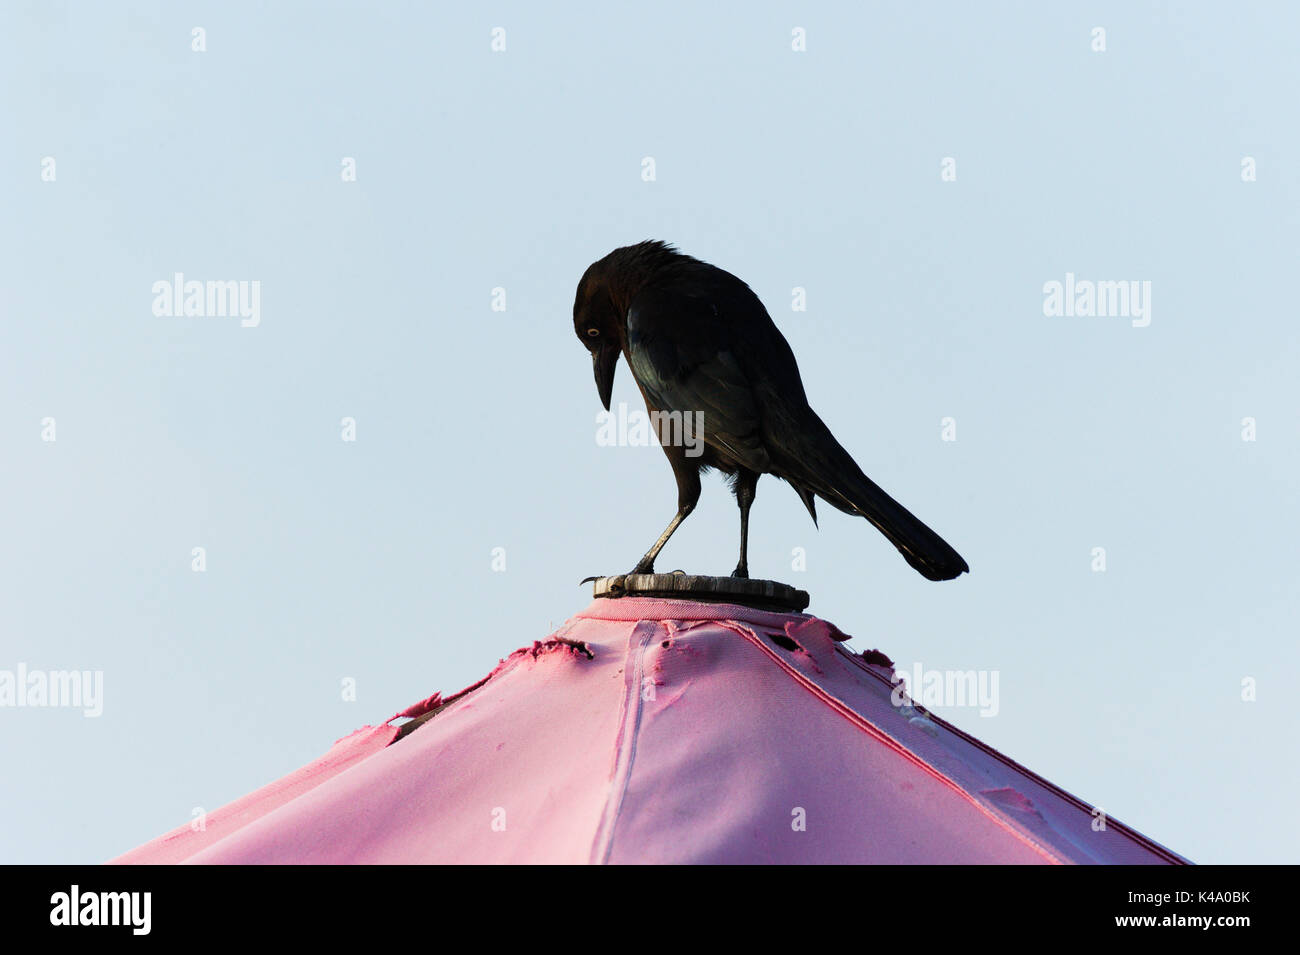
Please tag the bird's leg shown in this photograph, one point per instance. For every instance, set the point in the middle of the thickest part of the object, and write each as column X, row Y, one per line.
column 746, row 486
column 687, row 473
column 646, row 565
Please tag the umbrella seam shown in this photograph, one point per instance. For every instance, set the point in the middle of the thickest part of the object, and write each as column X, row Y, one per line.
column 1145, row 841
column 857, row 719
column 625, row 745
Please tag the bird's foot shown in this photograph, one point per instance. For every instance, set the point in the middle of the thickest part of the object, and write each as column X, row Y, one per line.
column 742, row 570
column 644, row 567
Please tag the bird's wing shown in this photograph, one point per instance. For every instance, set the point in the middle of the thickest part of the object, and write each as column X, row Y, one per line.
column 680, row 352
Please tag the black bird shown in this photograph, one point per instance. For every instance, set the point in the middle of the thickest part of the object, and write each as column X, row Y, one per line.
column 699, row 340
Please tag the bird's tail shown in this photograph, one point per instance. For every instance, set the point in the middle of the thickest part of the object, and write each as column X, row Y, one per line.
column 827, row 470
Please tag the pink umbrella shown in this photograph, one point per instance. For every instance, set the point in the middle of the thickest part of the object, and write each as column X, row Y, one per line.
column 649, row 730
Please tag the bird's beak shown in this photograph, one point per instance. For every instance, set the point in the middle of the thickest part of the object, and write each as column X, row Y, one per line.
column 605, row 360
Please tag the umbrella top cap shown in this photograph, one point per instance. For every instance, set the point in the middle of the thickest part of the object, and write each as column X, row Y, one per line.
column 771, row 595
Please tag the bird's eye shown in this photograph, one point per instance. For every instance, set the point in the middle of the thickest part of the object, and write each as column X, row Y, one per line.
column 593, row 333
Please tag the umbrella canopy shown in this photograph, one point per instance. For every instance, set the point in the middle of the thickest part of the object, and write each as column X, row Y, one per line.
column 663, row 731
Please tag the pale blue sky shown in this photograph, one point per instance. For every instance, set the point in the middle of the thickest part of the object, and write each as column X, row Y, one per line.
column 476, row 429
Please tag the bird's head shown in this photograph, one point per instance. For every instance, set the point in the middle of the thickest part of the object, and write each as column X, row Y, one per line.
column 599, row 325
